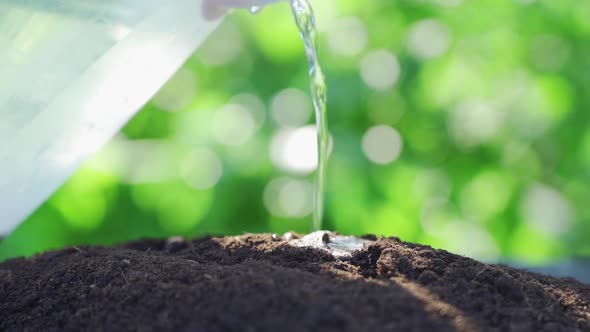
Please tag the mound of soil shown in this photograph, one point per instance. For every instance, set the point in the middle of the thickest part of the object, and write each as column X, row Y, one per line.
column 263, row 283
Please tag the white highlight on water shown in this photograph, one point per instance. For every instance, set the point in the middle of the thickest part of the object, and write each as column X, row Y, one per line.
column 255, row 9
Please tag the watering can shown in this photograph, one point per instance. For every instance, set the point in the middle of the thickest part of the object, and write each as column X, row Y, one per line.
column 73, row 72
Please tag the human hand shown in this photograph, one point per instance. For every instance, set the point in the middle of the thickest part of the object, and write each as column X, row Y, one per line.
column 213, row 9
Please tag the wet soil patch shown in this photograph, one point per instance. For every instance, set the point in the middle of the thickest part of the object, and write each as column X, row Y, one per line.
column 263, row 283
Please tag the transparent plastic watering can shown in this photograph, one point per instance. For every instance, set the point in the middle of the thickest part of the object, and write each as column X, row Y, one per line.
column 73, row 72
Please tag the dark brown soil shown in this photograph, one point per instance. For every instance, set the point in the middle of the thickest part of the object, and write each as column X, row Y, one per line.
column 261, row 283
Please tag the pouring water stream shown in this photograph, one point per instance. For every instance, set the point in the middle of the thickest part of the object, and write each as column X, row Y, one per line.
column 305, row 19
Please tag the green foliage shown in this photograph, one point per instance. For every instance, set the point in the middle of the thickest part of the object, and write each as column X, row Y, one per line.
column 491, row 105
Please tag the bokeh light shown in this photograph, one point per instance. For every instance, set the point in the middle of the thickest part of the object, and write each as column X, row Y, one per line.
column 288, row 197
column 347, row 36
column 201, row 168
column 474, row 122
column 380, row 69
column 382, row 144
column 233, row 124
column 295, row 150
column 546, row 210
column 291, row 108
column 428, row 39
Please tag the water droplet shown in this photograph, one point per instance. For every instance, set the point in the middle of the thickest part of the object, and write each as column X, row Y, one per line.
column 255, row 9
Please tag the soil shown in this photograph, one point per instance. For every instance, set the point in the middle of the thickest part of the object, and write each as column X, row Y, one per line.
column 263, row 283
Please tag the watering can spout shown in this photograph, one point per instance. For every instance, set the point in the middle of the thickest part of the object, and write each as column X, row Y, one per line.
column 73, row 73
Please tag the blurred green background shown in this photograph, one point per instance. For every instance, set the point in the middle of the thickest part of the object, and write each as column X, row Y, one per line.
column 460, row 124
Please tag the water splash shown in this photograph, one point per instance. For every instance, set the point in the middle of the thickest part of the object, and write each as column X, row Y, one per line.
column 305, row 19
column 337, row 245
